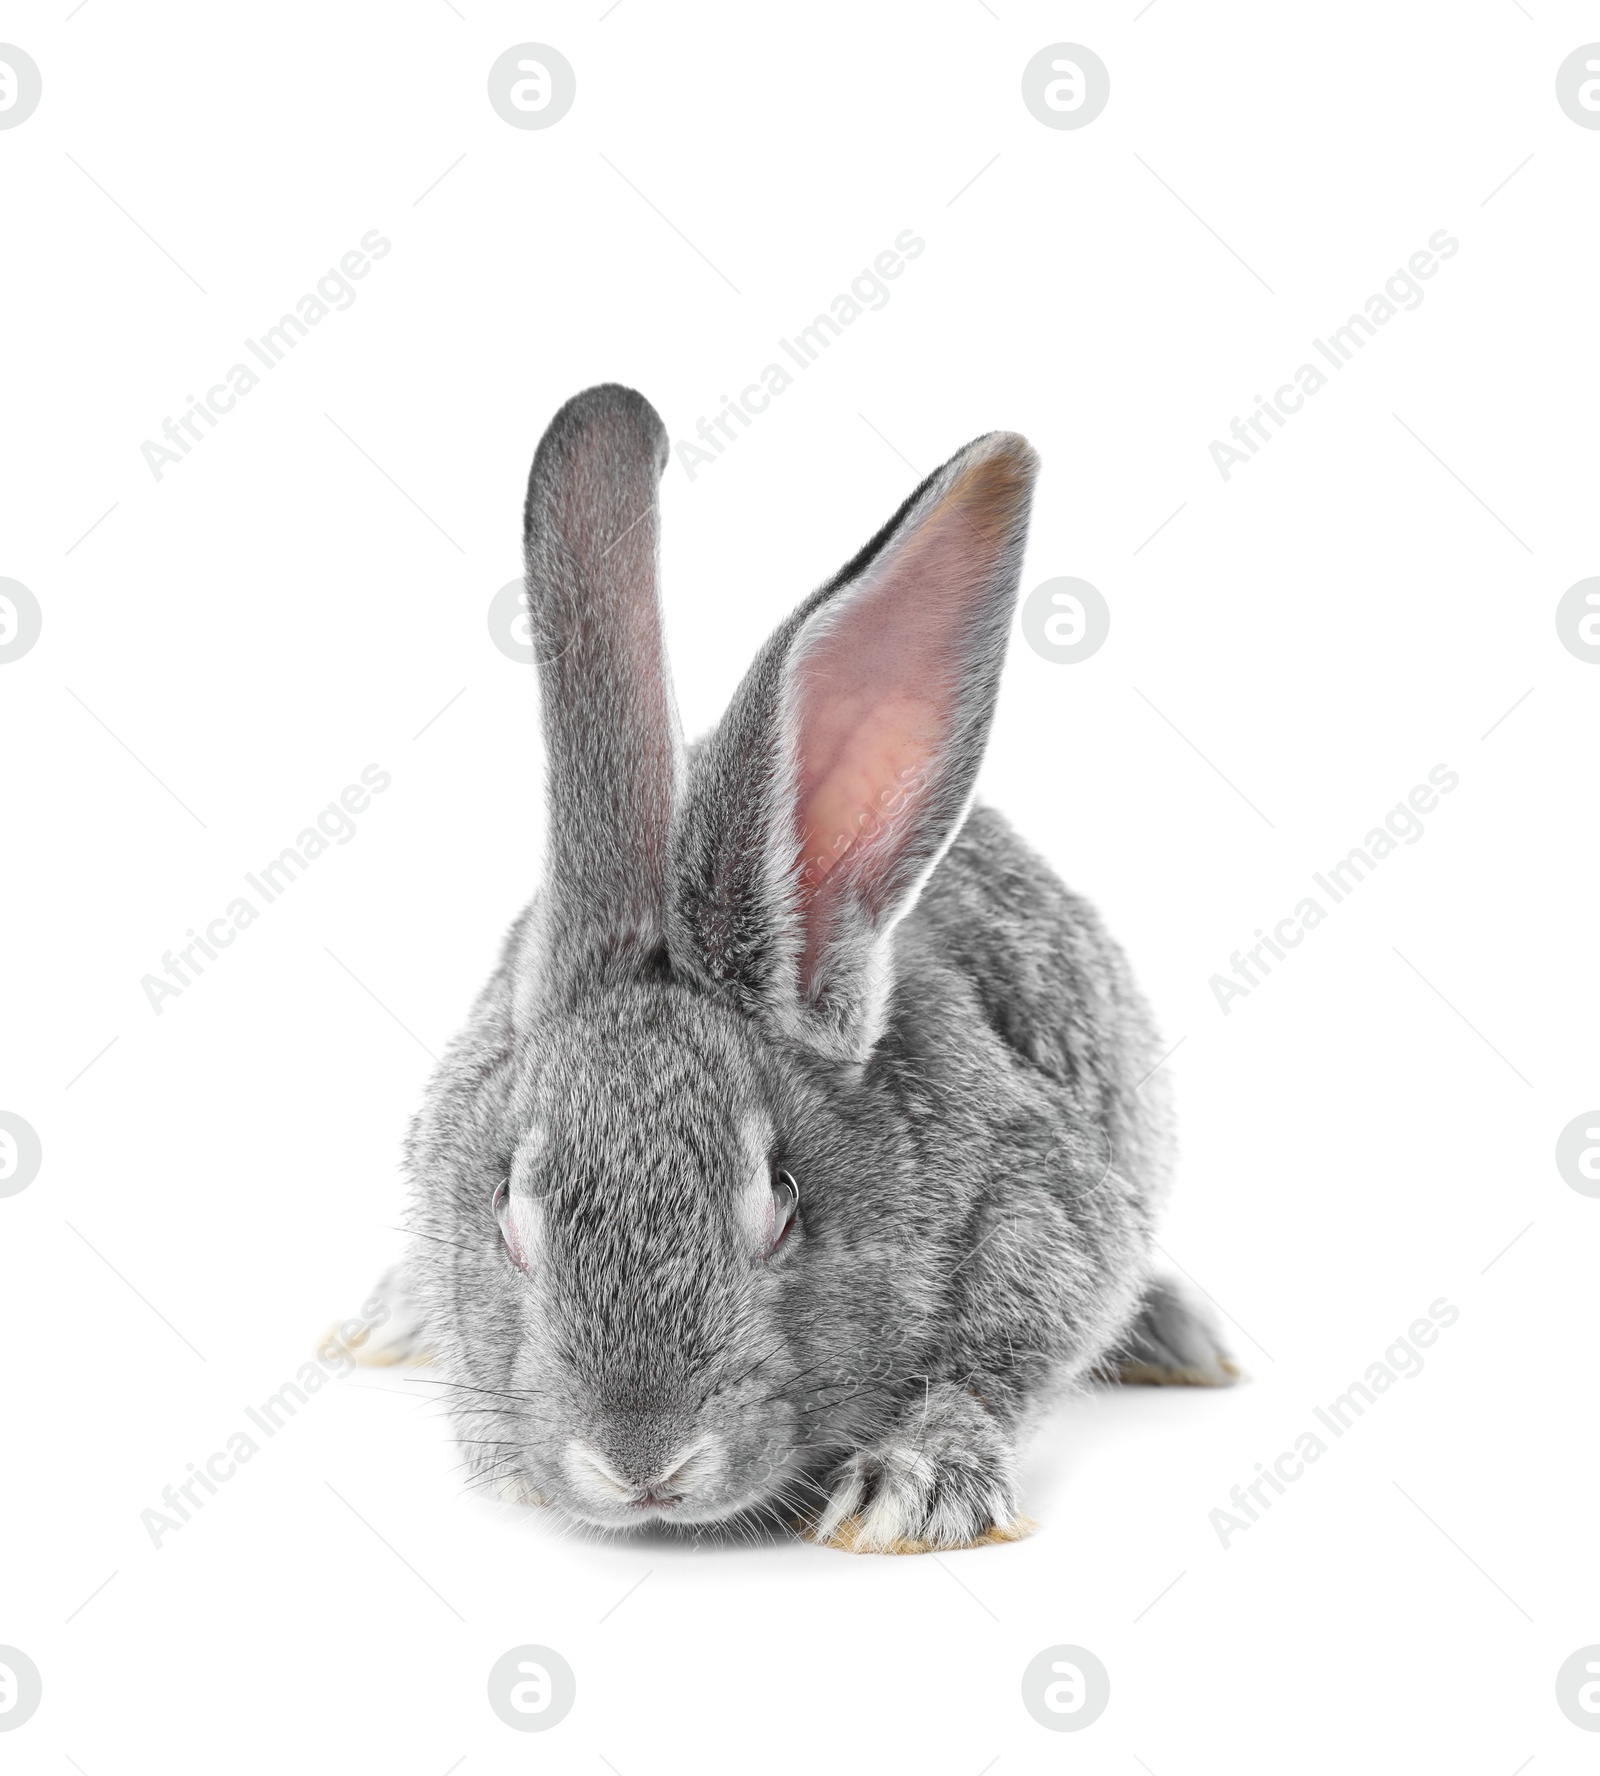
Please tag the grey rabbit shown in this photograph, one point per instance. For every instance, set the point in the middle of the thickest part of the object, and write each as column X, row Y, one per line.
column 808, row 1138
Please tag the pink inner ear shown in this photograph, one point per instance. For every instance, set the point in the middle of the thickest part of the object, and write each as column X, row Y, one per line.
column 863, row 763
column 878, row 687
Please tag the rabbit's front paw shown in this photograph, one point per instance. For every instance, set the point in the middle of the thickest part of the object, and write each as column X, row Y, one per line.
column 943, row 1477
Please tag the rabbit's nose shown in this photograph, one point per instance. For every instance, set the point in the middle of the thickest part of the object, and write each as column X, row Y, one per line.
column 642, row 1480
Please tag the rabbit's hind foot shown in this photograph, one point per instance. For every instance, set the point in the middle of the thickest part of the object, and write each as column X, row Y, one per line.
column 388, row 1332
column 1173, row 1341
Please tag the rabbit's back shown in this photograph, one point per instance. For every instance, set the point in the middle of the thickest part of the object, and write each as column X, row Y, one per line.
column 1040, row 969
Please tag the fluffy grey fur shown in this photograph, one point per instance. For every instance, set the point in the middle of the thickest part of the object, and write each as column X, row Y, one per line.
column 802, row 950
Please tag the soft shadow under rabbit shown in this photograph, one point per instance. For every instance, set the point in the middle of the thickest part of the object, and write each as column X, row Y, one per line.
column 808, row 1138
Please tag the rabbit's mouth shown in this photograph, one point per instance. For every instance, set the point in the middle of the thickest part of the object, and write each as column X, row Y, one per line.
column 704, row 1488
column 652, row 1500
column 638, row 1483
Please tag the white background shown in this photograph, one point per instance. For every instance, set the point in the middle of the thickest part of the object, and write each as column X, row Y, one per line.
column 1365, row 1133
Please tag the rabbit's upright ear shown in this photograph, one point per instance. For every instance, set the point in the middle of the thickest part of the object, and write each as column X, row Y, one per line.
column 610, row 726
column 846, row 763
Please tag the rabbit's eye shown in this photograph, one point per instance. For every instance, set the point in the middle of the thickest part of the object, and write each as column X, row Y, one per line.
column 501, row 1204
column 785, row 1206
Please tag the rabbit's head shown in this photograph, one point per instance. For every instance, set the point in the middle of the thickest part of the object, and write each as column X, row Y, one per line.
column 673, row 1200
